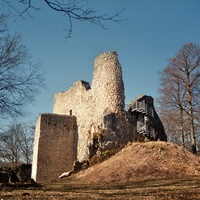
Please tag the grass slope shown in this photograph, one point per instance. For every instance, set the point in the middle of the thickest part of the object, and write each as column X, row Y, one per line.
column 142, row 161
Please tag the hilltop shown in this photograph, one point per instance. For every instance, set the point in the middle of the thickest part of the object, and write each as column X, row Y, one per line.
column 142, row 161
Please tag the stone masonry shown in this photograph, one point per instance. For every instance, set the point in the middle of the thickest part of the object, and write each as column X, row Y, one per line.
column 55, row 146
column 96, row 106
column 103, row 123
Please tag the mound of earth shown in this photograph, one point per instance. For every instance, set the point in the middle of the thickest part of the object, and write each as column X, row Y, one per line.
column 142, row 161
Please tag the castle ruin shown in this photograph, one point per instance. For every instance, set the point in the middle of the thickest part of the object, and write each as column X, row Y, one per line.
column 92, row 119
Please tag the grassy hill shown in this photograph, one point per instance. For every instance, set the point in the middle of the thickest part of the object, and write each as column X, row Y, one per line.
column 143, row 161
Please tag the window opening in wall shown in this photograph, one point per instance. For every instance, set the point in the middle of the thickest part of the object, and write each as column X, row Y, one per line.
column 70, row 112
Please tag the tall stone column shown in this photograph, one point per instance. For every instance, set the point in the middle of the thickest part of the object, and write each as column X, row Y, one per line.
column 107, row 84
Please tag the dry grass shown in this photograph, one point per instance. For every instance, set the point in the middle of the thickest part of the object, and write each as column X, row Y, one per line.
column 143, row 161
column 153, row 171
column 177, row 189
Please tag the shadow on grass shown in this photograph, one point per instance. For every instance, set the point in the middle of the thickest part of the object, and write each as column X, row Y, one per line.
column 180, row 189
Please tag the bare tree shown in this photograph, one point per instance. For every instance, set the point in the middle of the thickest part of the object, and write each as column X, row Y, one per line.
column 172, row 100
column 26, row 143
column 10, row 146
column 74, row 10
column 187, row 61
column 16, row 144
column 3, row 26
column 20, row 78
column 180, row 86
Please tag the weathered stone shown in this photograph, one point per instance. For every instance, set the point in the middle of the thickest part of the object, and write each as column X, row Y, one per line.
column 55, row 146
column 77, row 166
column 95, row 107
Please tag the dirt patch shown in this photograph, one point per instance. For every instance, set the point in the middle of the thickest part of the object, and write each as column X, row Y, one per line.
column 142, row 161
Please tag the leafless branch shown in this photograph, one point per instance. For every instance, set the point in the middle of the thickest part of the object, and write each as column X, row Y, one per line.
column 73, row 9
column 19, row 78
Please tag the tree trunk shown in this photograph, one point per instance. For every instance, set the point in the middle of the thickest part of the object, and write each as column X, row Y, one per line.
column 192, row 130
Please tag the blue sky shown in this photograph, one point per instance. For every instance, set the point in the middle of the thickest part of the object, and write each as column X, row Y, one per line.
column 154, row 30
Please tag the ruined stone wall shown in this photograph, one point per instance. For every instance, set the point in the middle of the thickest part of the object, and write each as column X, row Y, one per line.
column 70, row 101
column 55, row 146
column 97, row 107
column 77, row 101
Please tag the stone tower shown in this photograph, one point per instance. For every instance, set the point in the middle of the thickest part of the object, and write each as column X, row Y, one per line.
column 108, row 92
column 108, row 84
